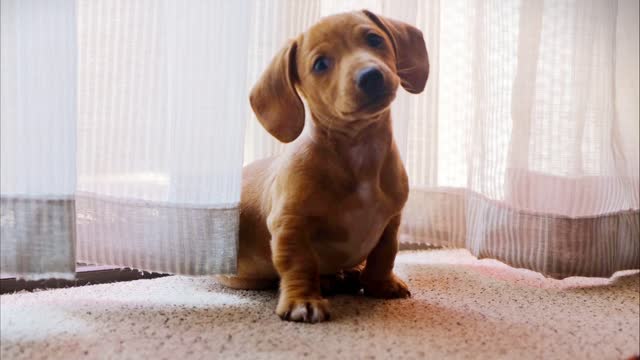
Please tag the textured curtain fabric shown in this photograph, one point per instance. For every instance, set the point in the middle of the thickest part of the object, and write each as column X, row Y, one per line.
column 122, row 127
column 524, row 146
column 37, row 138
column 161, row 96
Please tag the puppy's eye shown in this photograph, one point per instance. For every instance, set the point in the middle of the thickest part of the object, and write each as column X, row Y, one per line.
column 321, row 64
column 375, row 40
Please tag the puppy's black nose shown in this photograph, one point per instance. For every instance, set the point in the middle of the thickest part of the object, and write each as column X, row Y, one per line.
column 371, row 81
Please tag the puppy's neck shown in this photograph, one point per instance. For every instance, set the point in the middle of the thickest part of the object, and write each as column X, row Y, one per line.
column 327, row 129
column 362, row 144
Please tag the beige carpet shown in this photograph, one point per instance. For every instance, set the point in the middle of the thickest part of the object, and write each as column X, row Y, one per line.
column 461, row 308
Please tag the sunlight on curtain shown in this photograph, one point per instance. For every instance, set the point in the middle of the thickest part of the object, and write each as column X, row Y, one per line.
column 159, row 151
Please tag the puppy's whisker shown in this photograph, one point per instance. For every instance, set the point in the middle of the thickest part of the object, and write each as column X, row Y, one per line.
column 407, row 69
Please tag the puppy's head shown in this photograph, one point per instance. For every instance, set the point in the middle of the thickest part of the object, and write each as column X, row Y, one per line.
column 348, row 68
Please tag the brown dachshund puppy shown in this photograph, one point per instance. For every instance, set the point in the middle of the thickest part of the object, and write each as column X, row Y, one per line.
column 333, row 200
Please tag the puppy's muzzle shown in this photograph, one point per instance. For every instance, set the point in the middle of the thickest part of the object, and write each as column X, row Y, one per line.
column 371, row 81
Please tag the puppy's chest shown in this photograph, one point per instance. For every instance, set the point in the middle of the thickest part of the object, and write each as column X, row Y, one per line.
column 365, row 214
column 355, row 226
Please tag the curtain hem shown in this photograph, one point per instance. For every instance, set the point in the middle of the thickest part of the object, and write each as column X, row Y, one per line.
column 557, row 247
column 157, row 237
column 38, row 237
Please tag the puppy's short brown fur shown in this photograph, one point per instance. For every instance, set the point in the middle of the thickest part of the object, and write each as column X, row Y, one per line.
column 332, row 201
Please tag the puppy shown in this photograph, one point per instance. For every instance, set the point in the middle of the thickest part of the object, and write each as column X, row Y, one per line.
column 332, row 202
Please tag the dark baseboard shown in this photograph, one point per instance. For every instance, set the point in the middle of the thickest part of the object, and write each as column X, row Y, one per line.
column 85, row 275
column 91, row 275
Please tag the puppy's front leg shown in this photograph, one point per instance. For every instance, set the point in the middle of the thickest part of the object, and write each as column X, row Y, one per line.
column 297, row 265
column 378, row 279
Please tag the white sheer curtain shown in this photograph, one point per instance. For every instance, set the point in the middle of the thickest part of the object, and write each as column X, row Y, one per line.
column 524, row 146
column 122, row 125
column 153, row 149
column 37, row 137
column 537, row 133
column 161, row 94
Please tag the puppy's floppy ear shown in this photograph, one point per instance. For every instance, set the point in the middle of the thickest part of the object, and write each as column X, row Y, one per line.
column 412, row 60
column 274, row 98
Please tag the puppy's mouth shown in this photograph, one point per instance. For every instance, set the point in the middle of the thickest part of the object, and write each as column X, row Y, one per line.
column 375, row 103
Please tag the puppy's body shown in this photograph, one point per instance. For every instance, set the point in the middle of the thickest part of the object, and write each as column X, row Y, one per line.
column 346, row 201
column 334, row 198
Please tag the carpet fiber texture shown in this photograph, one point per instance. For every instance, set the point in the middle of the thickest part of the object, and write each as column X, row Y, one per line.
column 461, row 308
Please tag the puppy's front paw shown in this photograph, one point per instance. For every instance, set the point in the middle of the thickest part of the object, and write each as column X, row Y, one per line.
column 391, row 288
column 310, row 310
